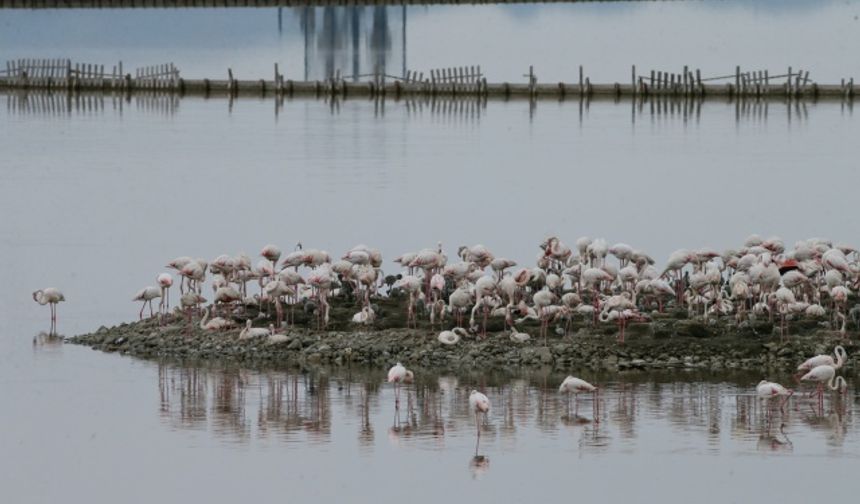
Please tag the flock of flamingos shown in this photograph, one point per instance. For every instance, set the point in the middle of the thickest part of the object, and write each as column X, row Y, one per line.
column 761, row 279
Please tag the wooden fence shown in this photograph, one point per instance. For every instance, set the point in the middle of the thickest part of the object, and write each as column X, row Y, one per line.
column 62, row 73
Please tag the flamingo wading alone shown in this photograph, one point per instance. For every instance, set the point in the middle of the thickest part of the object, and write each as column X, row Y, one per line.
column 397, row 375
column 573, row 386
column 766, row 391
column 51, row 296
column 479, row 404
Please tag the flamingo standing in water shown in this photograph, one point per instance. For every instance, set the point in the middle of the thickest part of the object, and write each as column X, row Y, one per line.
column 51, row 296
column 824, row 360
column 397, row 375
column 825, row 375
column 147, row 294
column 575, row 386
column 478, row 403
column 769, row 390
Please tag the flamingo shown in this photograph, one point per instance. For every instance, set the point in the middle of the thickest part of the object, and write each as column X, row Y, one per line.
column 478, row 403
column 500, row 264
column 397, row 375
column 147, row 294
column 190, row 300
column 784, row 298
column 365, row 316
column 412, row 285
column 676, row 262
column 178, row 264
column 458, row 301
column 275, row 289
column 272, row 253
column 822, row 375
column 768, row 390
column 452, row 337
column 195, row 273
column 226, row 295
column 255, row 332
column 575, row 386
column 517, row 336
column 215, row 324
column 165, row 281
column 51, row 296
column 824, row 360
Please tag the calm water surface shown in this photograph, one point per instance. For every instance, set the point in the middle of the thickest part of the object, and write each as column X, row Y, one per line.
column 97, row 193
column 108, row 193
column 102, row 428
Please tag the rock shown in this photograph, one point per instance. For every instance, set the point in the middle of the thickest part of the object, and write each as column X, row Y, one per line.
column 692, row 329
column 544, row 355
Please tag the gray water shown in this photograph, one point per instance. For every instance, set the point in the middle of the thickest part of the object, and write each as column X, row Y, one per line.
column 98, row 192
column 84, row 427
column 107, row 194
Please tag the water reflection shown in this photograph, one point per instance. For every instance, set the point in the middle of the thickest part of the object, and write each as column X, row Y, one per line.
column 466, row 110
column 353, row 42
column 47, row 341
column 61, row 104
column 238, row 406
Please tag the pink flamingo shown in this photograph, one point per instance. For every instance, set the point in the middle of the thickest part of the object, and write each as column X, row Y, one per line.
column 397, row 375
column 821, row 375
column 50, row 296
column 165, row 281
column 272, row 253
column 147, row 294
column 769, row 390
column 479, row 404
column 575, row 386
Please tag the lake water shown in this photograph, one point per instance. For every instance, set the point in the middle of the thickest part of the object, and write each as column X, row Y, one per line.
column 97, row 193
column 82, row 426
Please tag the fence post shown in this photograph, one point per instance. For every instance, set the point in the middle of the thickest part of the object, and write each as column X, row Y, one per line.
column 531, row 81
column 633, row 79
column 580, row 80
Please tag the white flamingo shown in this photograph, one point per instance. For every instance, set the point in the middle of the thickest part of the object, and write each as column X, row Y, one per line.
column 573, row 386
column 50, row 296
column 165, row 281
column 825, row 375
column 452, row 337
column 398, row 375
column 215, row 324
column 479, row 404
column 147, row 294
column 255, row 332
column 766, row 391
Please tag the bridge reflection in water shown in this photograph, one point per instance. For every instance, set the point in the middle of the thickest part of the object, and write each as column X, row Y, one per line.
column 355, row 41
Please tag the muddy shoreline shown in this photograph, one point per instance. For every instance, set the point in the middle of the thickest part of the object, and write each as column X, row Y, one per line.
column 661, row 344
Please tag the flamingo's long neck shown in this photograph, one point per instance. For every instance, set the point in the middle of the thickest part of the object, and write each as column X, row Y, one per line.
column 833, row 384
column 840, row 357
column 204, row 319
